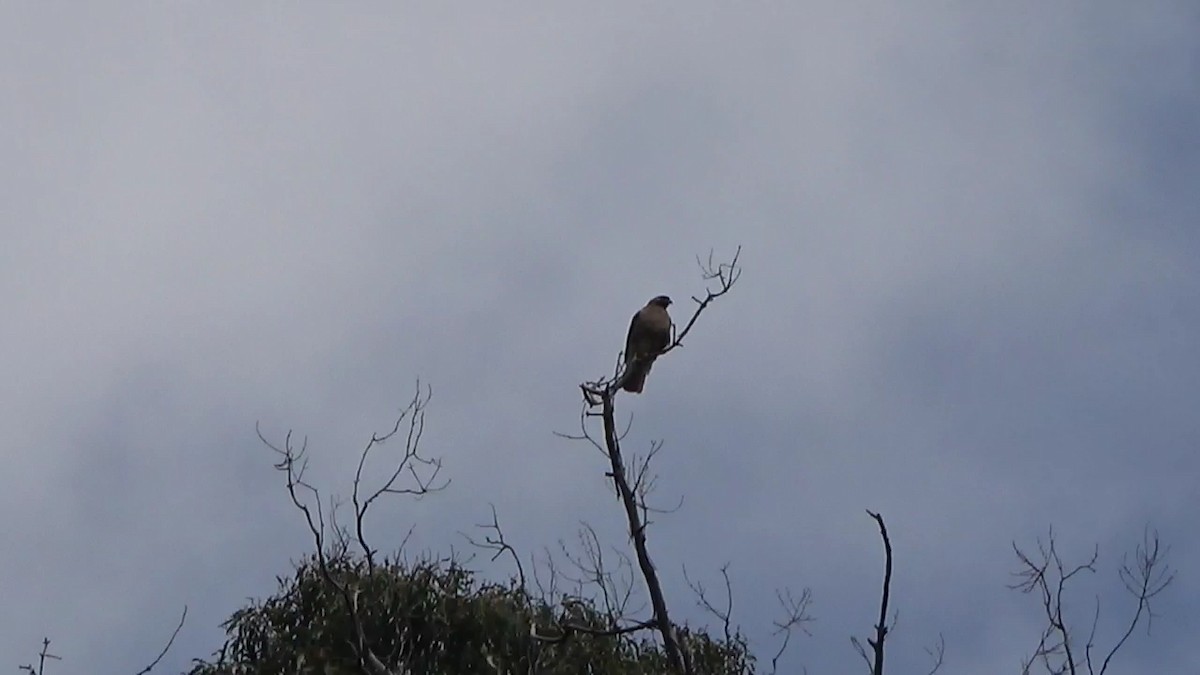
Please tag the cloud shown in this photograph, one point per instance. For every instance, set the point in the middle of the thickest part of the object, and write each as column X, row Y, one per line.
column 968, row 298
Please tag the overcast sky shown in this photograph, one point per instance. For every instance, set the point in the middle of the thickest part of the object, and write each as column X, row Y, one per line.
column 971, row 300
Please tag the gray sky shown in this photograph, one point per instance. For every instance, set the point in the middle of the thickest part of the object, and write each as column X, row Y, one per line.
column 970, row 299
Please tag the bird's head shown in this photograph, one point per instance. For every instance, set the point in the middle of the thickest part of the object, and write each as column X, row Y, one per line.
column 662, row 301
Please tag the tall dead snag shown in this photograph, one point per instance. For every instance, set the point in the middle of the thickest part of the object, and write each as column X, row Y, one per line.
column 875, row 660
column 883, row 629
column 601, row 393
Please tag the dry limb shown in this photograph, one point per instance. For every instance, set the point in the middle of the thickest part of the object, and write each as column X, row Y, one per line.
column 591, row 564
column 293, row 463
column 45, row 654
column 166, row 647
column 795, row 617
column 676, row 655
column 498, row 544
column 615, row 587
column 1047, row 576
column 414, row 415
column 723, row 614
column 875, row 660
column 720, row 278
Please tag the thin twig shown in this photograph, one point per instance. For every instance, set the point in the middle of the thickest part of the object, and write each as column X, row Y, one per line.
column 293, row 463
column 796, row 617
column 1150, row 578
column 1048, row 576
column 166, row 647
column 498, row 544
column 937, row 653
column 414, row 413
column 725, row 615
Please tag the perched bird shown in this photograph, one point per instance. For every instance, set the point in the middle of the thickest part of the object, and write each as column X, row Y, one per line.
column 649, row 334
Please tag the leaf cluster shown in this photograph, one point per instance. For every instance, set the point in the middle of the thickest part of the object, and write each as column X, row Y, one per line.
column 436, row 616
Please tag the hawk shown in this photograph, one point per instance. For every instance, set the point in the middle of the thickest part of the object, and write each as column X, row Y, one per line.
column 649, row 334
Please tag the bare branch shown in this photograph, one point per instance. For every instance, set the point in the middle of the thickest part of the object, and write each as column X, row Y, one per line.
column 615, row 587
column 568, row 628
column 498, row 544
column 1047, row 576
column 410, row 460
column 547, row 590
column 1091, row 641
column 584, row 434
column 875, row 662
column 42, row 656
column 796, row 617
column 723, row 614
column 1147, row 577
column 293, row 463
column 678, row 658
column 937, row 653
column 861, row 651
column 633, row 495
column 166, row 647
column 725, row 274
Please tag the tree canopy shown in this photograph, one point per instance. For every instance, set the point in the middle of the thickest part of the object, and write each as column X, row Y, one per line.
column 437, row 616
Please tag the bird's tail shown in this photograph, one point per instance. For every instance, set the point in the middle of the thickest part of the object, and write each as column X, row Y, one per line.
column 637, row 377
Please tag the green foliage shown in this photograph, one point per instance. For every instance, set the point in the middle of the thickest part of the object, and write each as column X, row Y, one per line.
column 437, row 618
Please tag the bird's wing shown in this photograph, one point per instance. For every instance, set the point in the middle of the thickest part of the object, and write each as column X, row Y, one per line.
column 656, row 327
column 633, row 339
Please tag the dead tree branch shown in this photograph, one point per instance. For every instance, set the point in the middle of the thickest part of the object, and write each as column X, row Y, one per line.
column 637, row 530
column 496, row 543
column 875, row 660
column 45, row 654
column 166, row 647
column 548, row 589
column 632, row 494
column 569, row 628
column 594, row 572
column 422, row 470
column 1144, row 579
column 1047, row 576
column 42, row 656
column 725, row 275
column 795, row 617
column 615, row 591
column 937, row 654
column 723, row 614
column 294, row 461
